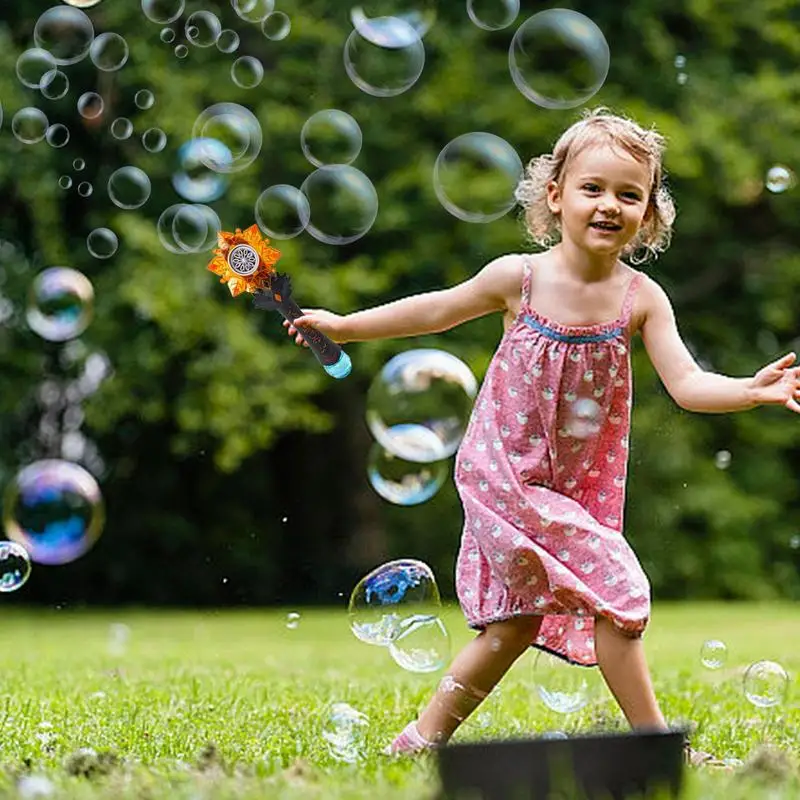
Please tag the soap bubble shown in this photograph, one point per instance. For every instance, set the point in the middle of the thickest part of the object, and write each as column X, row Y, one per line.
column 181, row 51
column 54, row 85
column 32, row 65
column 102, row 243
column 389, row 61
column 129, row 188
column 163, row 12
column 561, row 686
column 228, row 41
column 419, row 15
column 85, row 189
column 422, row 644
column 121, row 128
column 558, row 58
column 236, row 128
column 492, row 15
column 195, row 228
column 722, row 459
column 167, row 35
column 713, row 654
column 65, row 182
column 680, row 62
column 282, row 211
column 81, row 3
column 198, row 178
column 57, row 135
column 144, row 99
column 29, row 125
column 154, row 140
column 427, row 388
column 344, row 730
column 584, row 418
column 766, row 684
column 407, row 483
column 203, row 28
column 60, row 304
column 109, row 52
column 475, row 177
column 343, row 204
column 54, row 509
column 292, row 621
column 247, row 72
column 276, row 26
column 119, row 635
column 396, row 591
column 90, row 105
column 330, row 136
column 253, row 10
column 15, row 566
column 79, row 165
column 779, row 179
column 66, row 33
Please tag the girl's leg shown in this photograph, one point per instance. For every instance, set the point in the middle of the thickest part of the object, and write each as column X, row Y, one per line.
column 624, row 667
column 474, row 673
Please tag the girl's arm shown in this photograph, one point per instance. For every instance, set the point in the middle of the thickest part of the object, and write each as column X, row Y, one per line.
column 431, row 312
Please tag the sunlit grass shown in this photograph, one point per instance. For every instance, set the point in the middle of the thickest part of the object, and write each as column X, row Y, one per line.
column 258, row 691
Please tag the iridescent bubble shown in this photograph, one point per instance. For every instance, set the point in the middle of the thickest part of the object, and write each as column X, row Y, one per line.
column 167, row 35
column 203, row 28
column 144, row 99
column 343, row 204
column 561, row 686
column 236, row 128
column 32, row 65
column 90, row 105
column 54, row 85
column 109, row 52
column 66, row 33
column 387, row 63
column 181, row 51
column 475, row 177
column 330, row 136
column 54, row 509
column 407, row 483
column 584, row 418
column 396, row 591
column 154, row 140
column 276, row 26
column 29, row 125
column 15, row 566
column 85, row 189
column 195, row 228
column 129, row 188
column 766, row 684
column 422, row 644
column 247, row 72
column 65, row 182
column 228, row 41
column 779, row 179
column 344, row 730
column 57, row 135
column 282, row 211
column 713, row 654
column 122, row 128
column 722, row 460
column 492, row 15
column 79, row 165
column 426, row 388
column 102, row 243
column 201, row 166
column 367, row 18
column 558, row 58
column 60, row 304
column 163, row 12
column 253, row 10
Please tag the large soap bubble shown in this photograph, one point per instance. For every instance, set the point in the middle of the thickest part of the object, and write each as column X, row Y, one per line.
column 344, row 730
column 766, row 684
column 60, row 304
column 561, row 686
column 422, row 644
column 236, row 128
column 163, row 12
column 282, row 211
column 330, row 136
column 202, row 164
column 66, row 33
column 419, row 15
column 428, row 388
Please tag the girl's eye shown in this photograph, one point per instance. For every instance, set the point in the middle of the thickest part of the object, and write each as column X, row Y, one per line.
column 591, row 187
column 631, row 195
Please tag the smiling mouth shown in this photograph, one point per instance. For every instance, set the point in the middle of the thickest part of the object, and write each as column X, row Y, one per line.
column 605, row 226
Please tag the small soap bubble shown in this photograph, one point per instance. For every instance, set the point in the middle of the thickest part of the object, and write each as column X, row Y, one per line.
column 330, row 136
column 722, row 459
column 78, row 165
column 779, row 179
column 228, row 41
column 85, row 189
column 766, row 684
column 121, row 128
column 32, row 65
column 163, row 12
column 55, row 510
column 682, row 78
column 90, row 105
column 57, row 135
column 154, row 140
column 554, row 735
column 794, row 542
column 680, row 62
column 561, row 686
column 584, row 418
column 109, row 52
column 292, row 621
column 119, row 635
column 29, row 125
column 181, row 51
column 713, row 654
column 247, row 72
column 144, row 99
column 54, row 85
column 282, row 211
column 276, row 26
column 203, row 28
column 559, row 58
column 65, row 182
column 15, row 566
column 422, row 644
column 492, row 15
column 129, row 188
column 422, row 387
column 344, row 730
column 60, row 304
column 102, row 243
column 167, row 35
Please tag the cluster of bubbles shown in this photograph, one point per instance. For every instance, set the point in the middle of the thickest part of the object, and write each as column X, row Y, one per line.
column 417, row 411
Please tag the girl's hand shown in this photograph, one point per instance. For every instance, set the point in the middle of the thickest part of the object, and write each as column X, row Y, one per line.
column 332, row 325
column 778, row 383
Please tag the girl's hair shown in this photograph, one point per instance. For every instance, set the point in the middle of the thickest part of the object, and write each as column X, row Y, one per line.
column 600, row 126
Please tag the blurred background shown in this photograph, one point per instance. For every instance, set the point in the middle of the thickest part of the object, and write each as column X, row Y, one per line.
column 230, row 469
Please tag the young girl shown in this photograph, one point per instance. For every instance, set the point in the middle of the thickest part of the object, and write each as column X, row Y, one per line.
column 541, row 470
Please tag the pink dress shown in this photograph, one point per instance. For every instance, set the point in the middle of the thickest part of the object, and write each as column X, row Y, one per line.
column 543, row 491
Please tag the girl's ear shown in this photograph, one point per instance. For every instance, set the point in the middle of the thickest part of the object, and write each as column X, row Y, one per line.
column 554, row 197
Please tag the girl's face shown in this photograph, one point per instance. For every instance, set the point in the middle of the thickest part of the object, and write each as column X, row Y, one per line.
column 602, row 200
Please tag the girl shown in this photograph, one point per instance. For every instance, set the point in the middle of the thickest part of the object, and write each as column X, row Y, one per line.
column 541, row 470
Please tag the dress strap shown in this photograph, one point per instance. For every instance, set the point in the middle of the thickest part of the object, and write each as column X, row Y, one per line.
column 630, row 296
column 526, row 282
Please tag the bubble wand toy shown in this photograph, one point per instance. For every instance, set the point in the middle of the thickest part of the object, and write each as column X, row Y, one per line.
column 245, row 262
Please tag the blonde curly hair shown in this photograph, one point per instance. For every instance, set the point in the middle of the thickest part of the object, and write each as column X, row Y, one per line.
column 600, row 126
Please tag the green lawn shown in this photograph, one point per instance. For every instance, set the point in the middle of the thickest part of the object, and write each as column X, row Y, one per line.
column 258, row 691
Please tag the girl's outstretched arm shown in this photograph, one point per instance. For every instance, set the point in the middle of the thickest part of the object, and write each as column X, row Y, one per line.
column 430, row 312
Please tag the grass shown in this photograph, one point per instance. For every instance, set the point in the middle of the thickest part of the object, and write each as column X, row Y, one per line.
column 231, row 704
